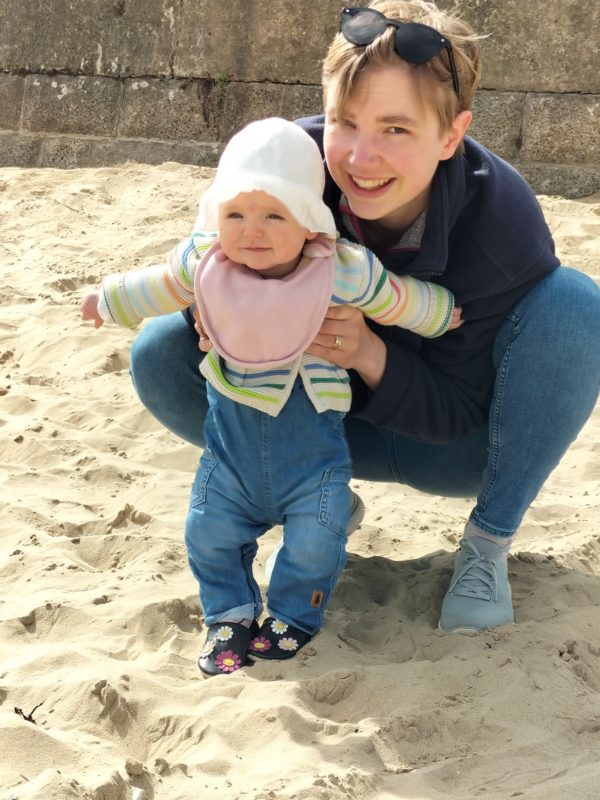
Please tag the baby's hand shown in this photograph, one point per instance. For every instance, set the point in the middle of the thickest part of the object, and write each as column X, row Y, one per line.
column 456, row 321
column 89, row 308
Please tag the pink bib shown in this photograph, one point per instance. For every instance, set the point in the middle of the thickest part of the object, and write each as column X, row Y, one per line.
column 263, row 322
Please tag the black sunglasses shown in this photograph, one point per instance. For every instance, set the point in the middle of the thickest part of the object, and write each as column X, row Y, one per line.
column 415, row 43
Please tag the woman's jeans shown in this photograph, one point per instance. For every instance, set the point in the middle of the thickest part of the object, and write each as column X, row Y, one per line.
column 547, row 360
column 258, row 471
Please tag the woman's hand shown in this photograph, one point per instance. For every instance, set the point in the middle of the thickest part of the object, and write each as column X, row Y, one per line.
column 345, row 340
column 204, row 343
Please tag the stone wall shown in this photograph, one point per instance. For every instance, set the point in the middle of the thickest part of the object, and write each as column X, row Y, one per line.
column 98, row 82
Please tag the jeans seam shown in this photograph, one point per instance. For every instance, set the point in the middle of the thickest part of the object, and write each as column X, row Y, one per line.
column 501, row 374
column 391, row 454
column 257, row 600
column 209, row 462
column 265, row 465
column 342, row 558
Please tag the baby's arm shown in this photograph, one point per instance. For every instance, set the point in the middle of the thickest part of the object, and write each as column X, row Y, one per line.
column 129, row 297
column 419, row 306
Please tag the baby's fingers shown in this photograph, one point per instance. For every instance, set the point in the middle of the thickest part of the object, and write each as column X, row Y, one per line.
column 456, row 321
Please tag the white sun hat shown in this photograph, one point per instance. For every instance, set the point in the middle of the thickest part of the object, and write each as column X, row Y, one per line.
column 277, row 157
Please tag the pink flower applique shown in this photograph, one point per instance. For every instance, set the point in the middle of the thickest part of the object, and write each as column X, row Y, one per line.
column 228, row 661
column 260, row 644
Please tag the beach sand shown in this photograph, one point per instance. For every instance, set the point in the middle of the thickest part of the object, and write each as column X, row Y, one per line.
column 100, row 622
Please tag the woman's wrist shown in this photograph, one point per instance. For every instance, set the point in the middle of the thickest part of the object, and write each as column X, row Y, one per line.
column 371, row 361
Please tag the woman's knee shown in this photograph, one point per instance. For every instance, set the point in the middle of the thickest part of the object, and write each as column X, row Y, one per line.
column 567, row 299
column 547, row 346
column 556, row 322
column 164, row 368
column 159, row 349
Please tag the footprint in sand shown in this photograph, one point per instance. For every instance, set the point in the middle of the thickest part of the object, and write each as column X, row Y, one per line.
column 117, row 361
column 582, row 660
column 353, row 784
column 111, row 788
column 128, row 512
column 332, row 687
column 113, row 701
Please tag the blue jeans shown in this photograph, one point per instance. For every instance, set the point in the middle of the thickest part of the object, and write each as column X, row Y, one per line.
column 258, row 471
column 547, row 360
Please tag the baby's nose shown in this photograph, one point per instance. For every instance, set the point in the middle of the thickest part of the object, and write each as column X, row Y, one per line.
column 254, row 230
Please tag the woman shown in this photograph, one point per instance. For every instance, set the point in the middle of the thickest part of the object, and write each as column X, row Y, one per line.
column 489, row 409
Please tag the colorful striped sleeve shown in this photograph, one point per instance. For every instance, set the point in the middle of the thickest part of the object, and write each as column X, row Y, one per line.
column 152, row 291
column 418, row 306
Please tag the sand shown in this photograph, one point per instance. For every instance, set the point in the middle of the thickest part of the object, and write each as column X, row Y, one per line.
column 100, row 695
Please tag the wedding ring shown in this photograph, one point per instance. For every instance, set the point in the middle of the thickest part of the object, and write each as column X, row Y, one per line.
column 337, row 342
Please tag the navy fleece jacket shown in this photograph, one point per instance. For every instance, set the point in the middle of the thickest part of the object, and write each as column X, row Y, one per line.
column 485, row 239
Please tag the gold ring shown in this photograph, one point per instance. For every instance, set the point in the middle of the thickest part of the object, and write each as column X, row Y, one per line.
column 337, row 342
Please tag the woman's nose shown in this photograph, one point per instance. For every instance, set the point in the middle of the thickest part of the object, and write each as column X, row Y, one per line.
column 362, row 151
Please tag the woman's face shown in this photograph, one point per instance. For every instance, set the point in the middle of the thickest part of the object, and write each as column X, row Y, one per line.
column 384, row 151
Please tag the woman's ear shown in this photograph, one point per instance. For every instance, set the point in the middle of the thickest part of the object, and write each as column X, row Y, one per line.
column 454, row 136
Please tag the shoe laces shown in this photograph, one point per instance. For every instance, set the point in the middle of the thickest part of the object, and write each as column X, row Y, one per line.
column 477, row 576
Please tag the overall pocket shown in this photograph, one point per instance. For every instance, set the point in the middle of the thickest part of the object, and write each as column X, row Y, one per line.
column 207, row 463
column 334, row 510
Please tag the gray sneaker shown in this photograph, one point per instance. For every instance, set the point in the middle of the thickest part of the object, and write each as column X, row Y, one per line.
column 357, row 512
column 479, row 595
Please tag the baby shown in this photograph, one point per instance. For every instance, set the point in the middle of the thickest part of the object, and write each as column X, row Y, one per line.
column 263, row 267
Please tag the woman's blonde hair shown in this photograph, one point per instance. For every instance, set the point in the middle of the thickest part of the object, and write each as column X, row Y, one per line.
column 345, row 62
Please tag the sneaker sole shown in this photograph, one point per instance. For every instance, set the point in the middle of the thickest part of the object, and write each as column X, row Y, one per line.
column 472, row 631
column 468, row 631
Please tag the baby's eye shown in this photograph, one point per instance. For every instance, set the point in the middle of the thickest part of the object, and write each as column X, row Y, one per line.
column 234, row 215
column 274, row 216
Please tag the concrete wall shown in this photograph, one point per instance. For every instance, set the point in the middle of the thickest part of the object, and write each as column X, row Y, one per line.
column 98, row 82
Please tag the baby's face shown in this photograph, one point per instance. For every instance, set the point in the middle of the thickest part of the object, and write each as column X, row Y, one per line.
column 257, row 230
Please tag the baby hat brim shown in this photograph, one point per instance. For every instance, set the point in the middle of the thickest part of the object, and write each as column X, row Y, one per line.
column 277, row 157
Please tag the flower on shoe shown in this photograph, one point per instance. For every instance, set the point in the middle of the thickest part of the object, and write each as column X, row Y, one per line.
column 260, row 644
column 278, row 627
column 228, row 661
column 224, row 633
column 288, row 644
column 207, row 648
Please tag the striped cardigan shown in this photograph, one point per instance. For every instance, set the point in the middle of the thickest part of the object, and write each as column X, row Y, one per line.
column 360, row 280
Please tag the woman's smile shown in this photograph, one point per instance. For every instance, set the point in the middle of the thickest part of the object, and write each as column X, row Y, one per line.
column 370, row 184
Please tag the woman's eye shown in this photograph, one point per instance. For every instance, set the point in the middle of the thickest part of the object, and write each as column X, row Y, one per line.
column 396, row 130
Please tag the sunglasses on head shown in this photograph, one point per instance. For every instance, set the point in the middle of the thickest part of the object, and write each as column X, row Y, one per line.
column 414, row 42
